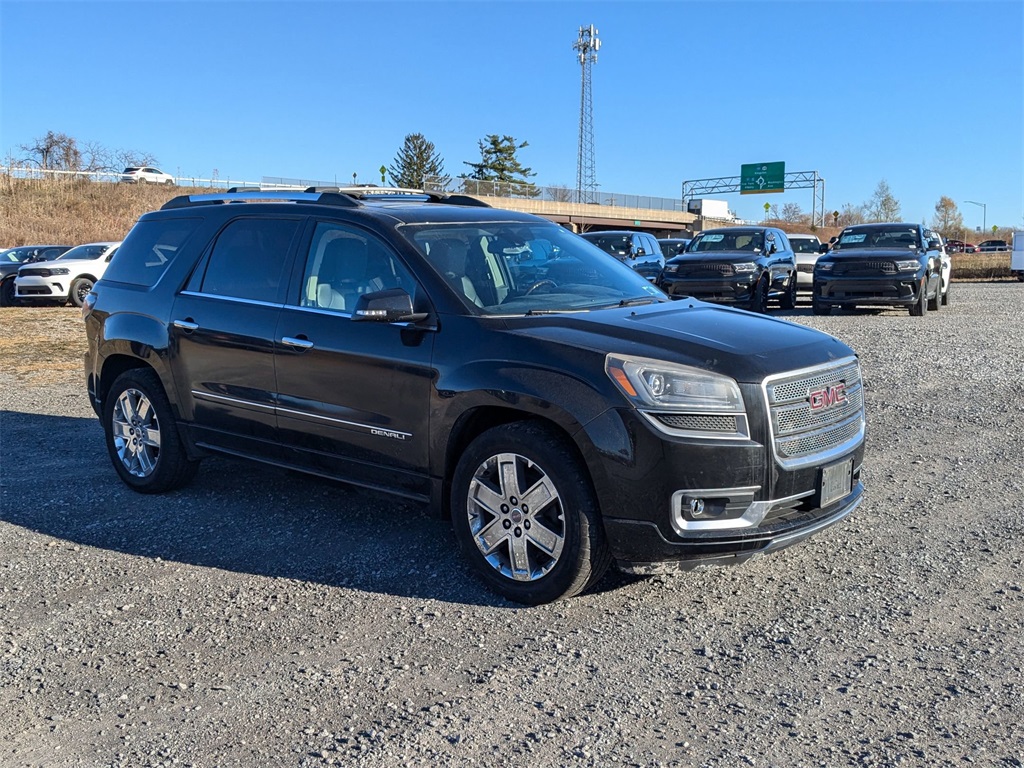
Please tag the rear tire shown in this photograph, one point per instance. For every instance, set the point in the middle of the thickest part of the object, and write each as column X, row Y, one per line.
column 525, row 514
column 141, row 435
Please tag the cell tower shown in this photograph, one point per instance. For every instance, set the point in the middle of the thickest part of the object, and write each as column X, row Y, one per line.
column 587, row 46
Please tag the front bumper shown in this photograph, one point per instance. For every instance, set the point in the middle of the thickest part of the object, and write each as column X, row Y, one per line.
column 888, row 290
column 730, row 290
column 35, row 287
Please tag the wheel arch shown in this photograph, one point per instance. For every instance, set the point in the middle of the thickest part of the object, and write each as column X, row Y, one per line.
column 475, row 422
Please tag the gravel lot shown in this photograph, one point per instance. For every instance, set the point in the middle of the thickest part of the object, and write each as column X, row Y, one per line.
column 260, row 618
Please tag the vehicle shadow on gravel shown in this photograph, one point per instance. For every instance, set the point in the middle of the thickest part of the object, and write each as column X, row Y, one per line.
column 236, row 515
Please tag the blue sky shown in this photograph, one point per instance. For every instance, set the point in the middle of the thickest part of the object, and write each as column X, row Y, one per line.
column 925, row 95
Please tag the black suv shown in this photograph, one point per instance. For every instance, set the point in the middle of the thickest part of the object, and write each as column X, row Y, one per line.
column 747, row 266
column 388, row 340
column 891, row 264
column 638, row 250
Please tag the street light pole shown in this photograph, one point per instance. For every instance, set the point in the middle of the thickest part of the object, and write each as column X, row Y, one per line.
column 984, row 214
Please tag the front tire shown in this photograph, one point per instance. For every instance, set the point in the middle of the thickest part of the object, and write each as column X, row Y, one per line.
column 759, row 297
column 945, row 296
column 80, row 289
column 141, row 436
column 7, row 298
column 935, row 303
column 788, row 300
column 820, row 309
column 918, row 308
column 526, row 516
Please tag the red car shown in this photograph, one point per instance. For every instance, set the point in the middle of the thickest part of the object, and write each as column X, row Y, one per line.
column 959, row 246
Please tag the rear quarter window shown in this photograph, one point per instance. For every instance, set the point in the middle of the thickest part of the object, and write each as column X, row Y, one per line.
column 150, row 246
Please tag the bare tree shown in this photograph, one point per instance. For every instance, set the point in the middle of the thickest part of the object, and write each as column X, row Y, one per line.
column 792, row 213
column 54, row 151
column 560, row 193
column 850, row 214
column 883, row 206
column 947, row 220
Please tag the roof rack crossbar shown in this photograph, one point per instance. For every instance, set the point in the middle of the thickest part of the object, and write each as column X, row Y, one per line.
column 240, row 195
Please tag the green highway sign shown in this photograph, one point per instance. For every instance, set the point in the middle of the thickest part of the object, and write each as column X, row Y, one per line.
column 759, row 178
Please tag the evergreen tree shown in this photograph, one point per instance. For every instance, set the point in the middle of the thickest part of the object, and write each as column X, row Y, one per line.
column 415, row 161
column 499, row 165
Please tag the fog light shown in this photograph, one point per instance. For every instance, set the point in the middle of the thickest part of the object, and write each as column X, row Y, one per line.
column 696, row 507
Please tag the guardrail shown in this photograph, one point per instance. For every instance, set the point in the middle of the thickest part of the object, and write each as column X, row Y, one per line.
column 25, row 172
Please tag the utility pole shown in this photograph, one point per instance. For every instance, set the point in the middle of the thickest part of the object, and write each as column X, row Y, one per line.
column 586, row 46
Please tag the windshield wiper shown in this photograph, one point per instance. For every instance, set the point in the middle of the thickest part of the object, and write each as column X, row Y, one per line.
column 636, row 302
column 554, row 311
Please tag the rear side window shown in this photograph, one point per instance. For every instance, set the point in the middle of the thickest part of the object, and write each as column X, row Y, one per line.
column 150, row 246
column 248, row 259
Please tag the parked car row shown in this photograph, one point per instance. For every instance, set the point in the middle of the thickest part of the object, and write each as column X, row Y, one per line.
column 53, row 274
column 11, row 259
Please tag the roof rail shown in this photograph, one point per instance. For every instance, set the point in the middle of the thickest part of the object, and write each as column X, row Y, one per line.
column 243, row 194
column 373, row 192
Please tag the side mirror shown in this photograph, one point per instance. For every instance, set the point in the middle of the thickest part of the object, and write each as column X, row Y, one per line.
column 934, row 245
column 638, row 252
column 823, row 248
column 391, row 306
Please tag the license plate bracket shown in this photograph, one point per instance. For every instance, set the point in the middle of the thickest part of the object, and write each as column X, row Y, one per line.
column 836, row 482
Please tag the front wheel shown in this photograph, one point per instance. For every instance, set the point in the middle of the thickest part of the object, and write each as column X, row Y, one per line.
column 788, row 300
column 7, row 293
column 80, row 289
column 820, row 309
column 935, row 303
column 918, row 308
column 945, row 296
column 141, row 435
column 525, row 514
column 759, row 297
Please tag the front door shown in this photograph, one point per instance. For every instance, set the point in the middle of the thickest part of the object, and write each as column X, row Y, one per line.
column 353, row 395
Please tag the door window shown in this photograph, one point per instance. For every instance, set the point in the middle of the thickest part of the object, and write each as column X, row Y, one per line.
column 343, row 264
column 248, row 260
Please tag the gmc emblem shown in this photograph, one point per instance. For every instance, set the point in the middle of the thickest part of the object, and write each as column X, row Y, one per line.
column 827, row 397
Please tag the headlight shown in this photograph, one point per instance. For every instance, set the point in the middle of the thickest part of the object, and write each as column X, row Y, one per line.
column 60, row 271
column 657, row 384
column 910, row 265
column 745, row 266
column 823, row 266
column 671, row 269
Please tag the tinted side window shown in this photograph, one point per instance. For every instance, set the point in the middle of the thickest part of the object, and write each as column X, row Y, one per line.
column 343, row 264
column 149, row 248
column 248, row 259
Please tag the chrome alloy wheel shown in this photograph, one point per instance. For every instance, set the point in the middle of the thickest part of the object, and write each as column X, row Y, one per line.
column 516, row 517
column 136, row 433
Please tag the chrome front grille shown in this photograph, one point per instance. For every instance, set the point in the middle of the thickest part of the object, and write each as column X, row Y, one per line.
column 816, row 413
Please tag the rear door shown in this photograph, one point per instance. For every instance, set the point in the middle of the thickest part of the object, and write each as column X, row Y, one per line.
column 222, row 336
column 354, row 396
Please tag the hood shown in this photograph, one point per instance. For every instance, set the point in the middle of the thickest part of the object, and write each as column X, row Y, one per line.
column 732, row 342
column 874, row 253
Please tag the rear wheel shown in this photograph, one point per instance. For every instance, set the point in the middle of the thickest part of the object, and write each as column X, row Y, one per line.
column 141, row 436
column 525, row 514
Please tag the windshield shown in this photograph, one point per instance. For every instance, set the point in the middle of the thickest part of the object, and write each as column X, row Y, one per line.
column 10, row 257
column 673, row 247
column 84, row 252
column 804, row 245
column 740, row 240
column 615, row 244
column 506, row 268
column 883, row 236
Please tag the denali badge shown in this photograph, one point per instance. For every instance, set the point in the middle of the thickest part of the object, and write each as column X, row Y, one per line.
column 827, row 397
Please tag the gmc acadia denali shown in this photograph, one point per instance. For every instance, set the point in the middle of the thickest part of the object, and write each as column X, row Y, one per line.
column 563, row 417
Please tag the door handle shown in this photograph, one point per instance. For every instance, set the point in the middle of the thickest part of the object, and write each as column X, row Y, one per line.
column 185, row 325
column 291, row 341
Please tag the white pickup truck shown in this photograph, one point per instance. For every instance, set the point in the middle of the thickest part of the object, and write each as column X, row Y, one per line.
column 1017, row 255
